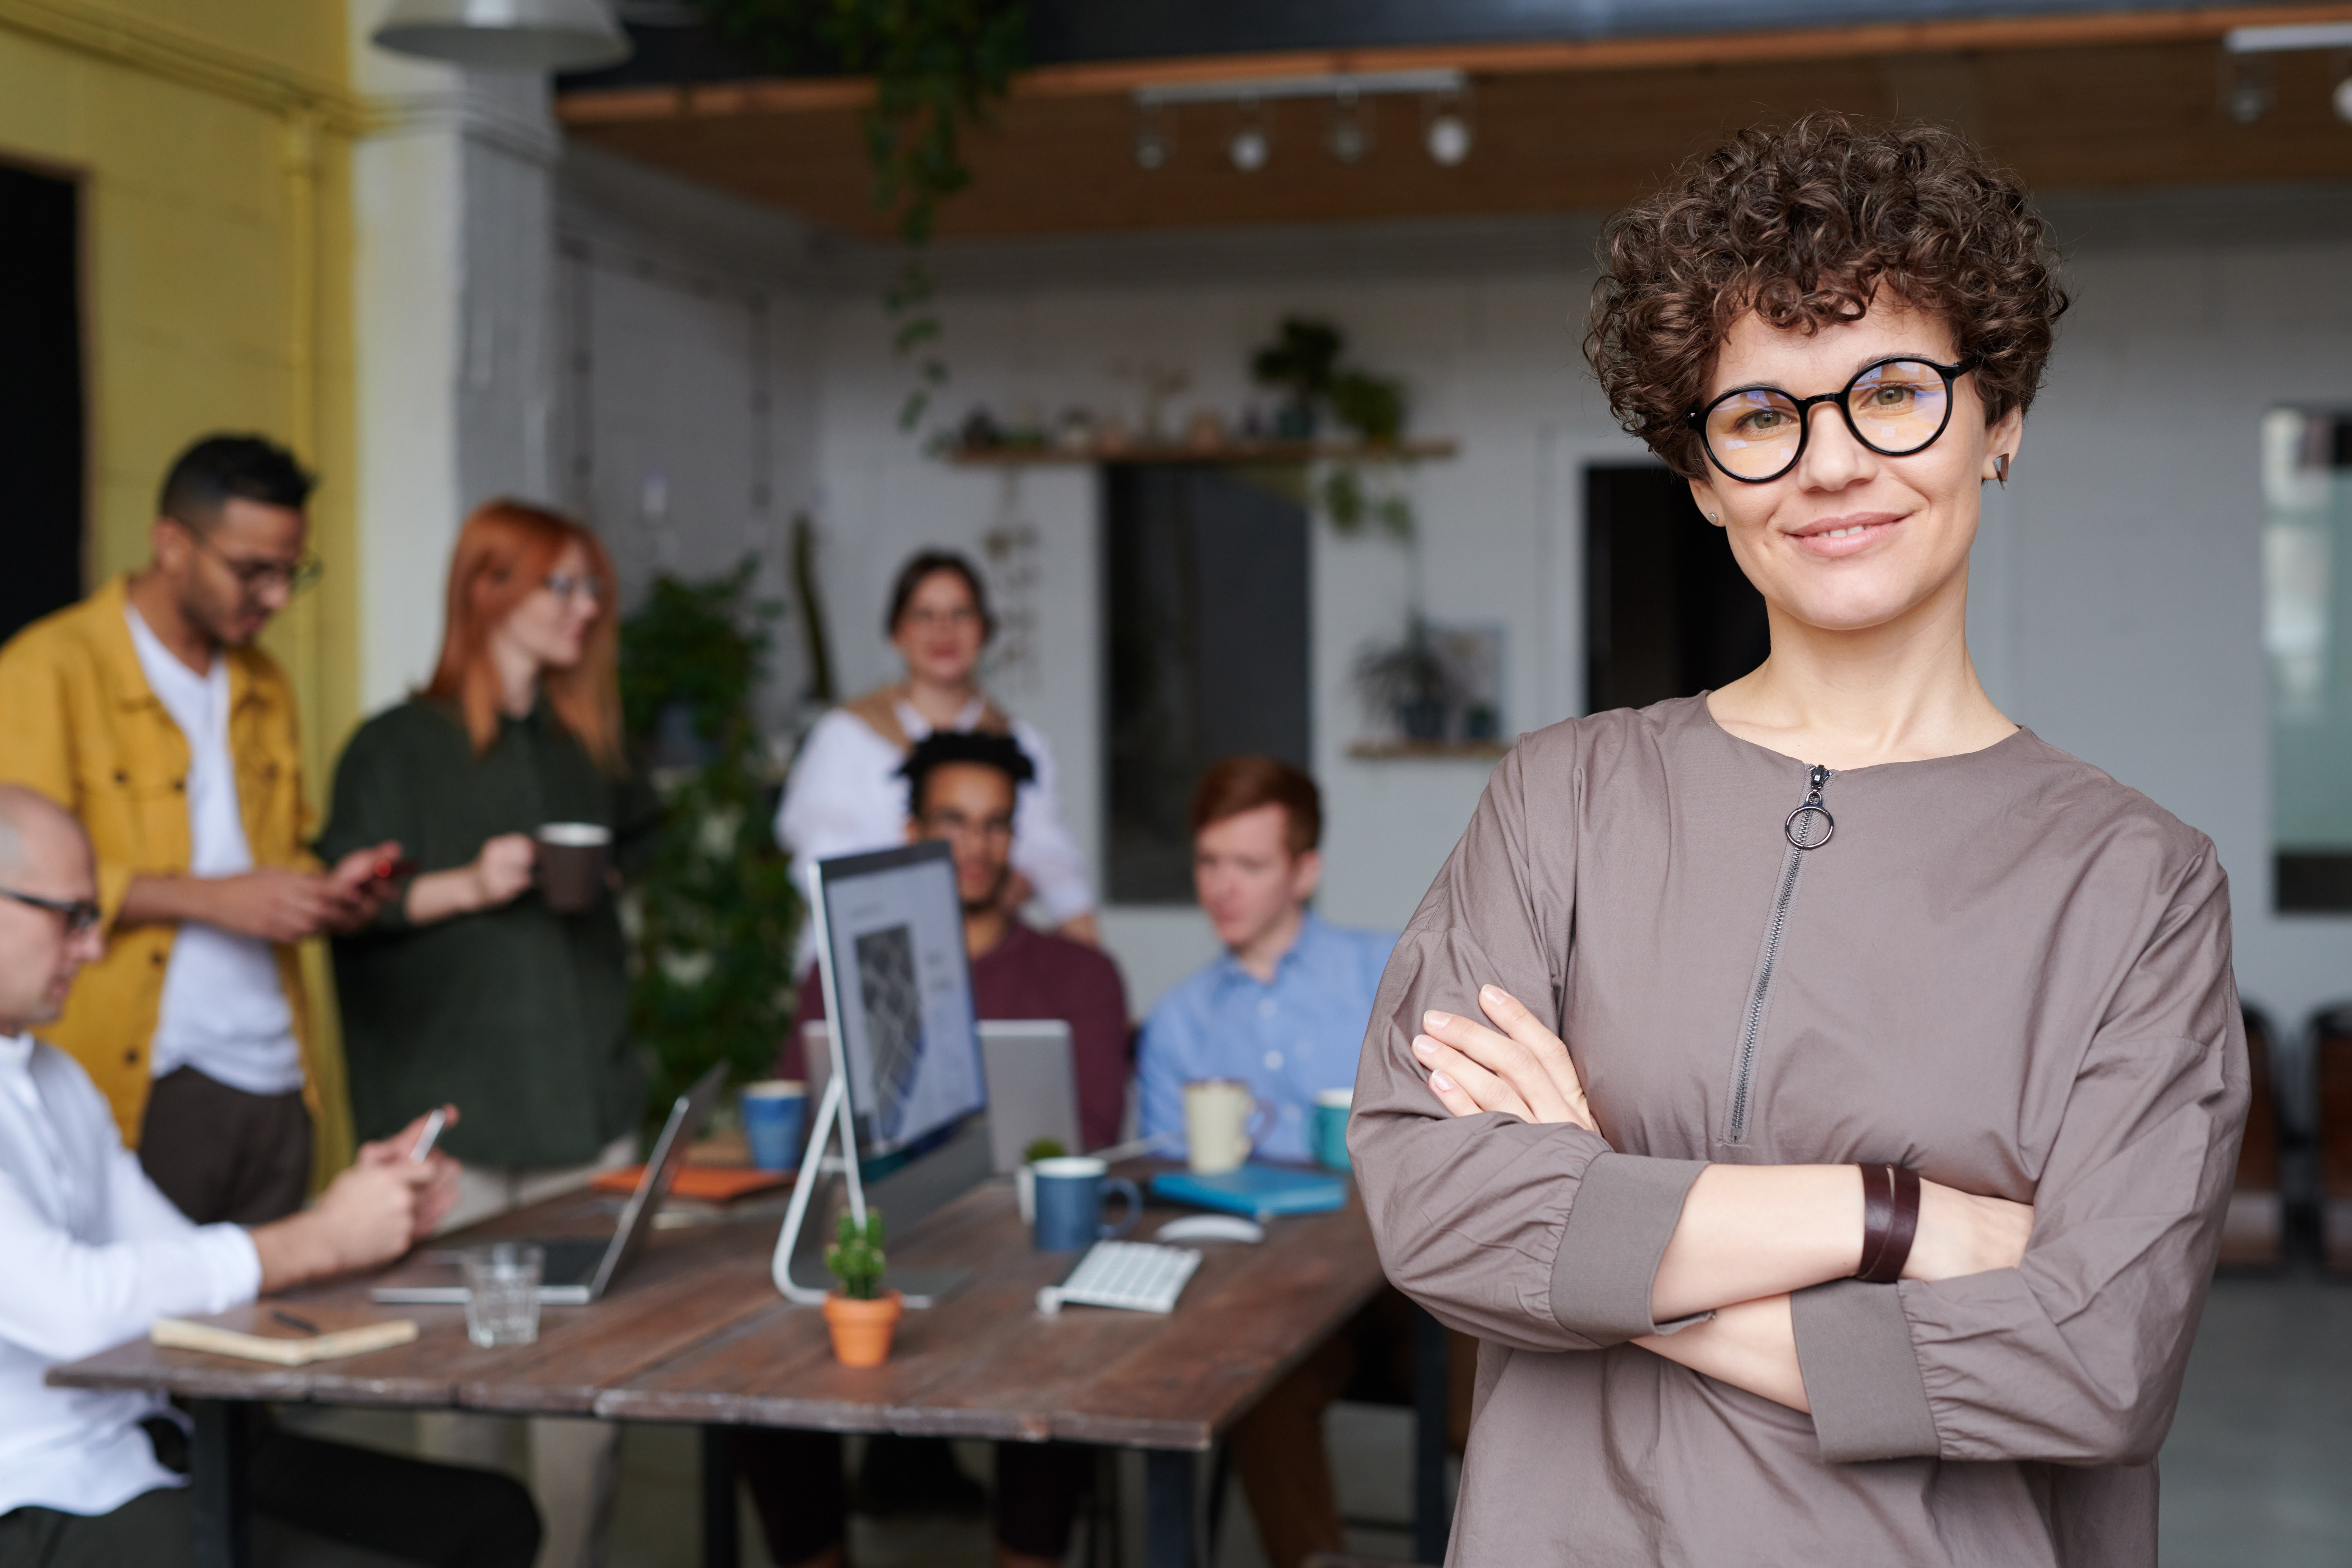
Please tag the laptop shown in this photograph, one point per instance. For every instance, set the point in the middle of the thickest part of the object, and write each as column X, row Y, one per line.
column 578, row 1270
column 1033, row 1088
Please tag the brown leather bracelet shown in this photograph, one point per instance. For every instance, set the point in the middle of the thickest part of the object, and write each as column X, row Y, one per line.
column 1878, row 1215
column 1890, row 1219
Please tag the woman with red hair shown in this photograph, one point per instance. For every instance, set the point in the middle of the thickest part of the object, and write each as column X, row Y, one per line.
column 470, row 988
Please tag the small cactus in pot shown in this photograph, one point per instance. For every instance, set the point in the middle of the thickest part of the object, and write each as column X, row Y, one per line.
column 860, row 1315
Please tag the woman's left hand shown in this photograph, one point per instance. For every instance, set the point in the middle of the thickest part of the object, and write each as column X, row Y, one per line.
column 1519, row 1068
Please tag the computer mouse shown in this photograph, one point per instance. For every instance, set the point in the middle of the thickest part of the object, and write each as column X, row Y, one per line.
column 1211, row 1227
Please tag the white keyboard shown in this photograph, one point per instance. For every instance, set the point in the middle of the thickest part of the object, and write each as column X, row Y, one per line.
column 1136, row 1275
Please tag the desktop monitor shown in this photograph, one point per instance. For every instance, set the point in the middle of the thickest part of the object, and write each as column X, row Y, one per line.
column 891, row 954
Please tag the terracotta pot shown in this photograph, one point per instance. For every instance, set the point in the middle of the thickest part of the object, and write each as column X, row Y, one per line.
column 862, row 1330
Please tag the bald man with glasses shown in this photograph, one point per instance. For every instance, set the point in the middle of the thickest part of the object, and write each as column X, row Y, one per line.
column 95, row 1255
column 147, row 711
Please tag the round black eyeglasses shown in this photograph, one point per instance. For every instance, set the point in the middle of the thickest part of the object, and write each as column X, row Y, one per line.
column 1895, row 408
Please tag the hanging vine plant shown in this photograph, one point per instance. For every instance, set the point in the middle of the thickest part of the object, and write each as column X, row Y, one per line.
column 938, row 67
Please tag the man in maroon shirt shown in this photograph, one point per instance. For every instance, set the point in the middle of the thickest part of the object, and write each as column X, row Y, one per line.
column 960, row 788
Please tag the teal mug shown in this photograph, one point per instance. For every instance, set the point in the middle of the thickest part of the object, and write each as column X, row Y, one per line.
column 1327, row 1139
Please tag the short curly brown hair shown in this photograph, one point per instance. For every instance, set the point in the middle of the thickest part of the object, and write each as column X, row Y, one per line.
column 1803, row 225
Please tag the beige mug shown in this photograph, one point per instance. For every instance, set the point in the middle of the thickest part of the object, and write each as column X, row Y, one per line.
column 1218, row 1123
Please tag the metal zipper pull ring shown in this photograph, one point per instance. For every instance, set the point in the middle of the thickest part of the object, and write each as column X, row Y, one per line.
column 1811, row 825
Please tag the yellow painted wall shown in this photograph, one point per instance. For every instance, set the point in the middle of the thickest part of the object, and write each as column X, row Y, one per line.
column 212, row 142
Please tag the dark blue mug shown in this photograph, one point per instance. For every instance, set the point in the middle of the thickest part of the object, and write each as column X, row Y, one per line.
column 1070, row 1193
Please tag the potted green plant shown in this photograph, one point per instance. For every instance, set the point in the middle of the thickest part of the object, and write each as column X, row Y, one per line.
column 1025, row 1180
column 1408, row 681
column 860, row 1314
column 712, row 916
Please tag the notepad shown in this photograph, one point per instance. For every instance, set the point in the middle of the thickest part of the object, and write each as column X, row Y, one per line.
column 1260, row 1192
column 251, row 1331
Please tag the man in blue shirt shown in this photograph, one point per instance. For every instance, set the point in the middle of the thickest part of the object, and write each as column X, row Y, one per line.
column 1286, row 1008
column 1285, row 1011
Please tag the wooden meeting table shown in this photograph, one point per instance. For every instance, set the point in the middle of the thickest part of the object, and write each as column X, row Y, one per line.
column 696, row 1332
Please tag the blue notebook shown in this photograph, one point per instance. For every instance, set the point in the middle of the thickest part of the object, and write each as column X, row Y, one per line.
column 1260, row 1192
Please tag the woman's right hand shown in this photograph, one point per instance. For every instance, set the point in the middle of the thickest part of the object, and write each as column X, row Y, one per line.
column 503, row 869
column 1960, row 1232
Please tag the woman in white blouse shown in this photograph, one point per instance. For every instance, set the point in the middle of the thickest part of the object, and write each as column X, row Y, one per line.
column 845, row 796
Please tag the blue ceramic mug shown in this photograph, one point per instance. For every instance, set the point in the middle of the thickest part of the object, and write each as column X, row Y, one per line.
column 774, row 1111
column 1070, row 1193
column 1328, row 1136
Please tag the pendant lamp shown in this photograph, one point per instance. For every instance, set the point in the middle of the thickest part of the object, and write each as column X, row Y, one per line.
column 510, row 35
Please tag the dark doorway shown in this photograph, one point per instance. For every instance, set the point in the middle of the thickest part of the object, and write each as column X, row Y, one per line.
column 1205, row 639
column 40, row 396
column 1667, row 610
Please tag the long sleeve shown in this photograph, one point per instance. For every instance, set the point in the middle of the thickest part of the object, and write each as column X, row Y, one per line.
column 62, row 1299
column 841, row 798
column 1043, row 849
column 1162, row 1063
column 1537, row 1236
column 2077, row 1355
column 373, row 802
column 1096, row 1005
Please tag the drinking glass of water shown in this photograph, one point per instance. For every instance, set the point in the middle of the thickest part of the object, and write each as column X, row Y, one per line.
column 502, row 1293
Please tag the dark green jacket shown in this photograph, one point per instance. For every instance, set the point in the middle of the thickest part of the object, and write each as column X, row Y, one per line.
column 518, row 1016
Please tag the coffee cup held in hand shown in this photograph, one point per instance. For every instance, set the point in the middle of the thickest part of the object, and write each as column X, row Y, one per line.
column 572, row 857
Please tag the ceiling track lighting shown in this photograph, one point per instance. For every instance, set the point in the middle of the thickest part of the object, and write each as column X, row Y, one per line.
column 1349, row 136
column 1155, row 138
column 1446, row 128
column 2246, row 89
column 2246, row 48
column 1252, row 145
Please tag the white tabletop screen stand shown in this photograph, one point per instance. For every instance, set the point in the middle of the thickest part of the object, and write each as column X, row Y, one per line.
column 910, row 890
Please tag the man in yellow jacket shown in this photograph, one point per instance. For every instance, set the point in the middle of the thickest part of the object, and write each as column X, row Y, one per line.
column 146, row 711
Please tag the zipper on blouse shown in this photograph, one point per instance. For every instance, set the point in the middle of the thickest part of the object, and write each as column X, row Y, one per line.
column 1806, row 829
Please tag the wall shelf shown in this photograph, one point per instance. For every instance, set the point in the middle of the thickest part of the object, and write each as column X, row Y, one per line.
column 1228, row 453
column 1428, row 751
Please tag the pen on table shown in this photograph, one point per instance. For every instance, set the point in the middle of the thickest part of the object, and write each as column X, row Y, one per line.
column 281, row 1315
column 425, row 1139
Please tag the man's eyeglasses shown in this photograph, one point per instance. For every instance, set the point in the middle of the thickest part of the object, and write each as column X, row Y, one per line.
column 80, row 915
column 1894, row 408
column 257, row 576
column 955, row 825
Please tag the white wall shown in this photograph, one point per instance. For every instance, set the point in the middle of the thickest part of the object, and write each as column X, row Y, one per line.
column 2115, row 607
column 455, row 349
column 685, row 403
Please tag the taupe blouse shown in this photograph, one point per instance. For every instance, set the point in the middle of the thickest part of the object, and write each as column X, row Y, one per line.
column 2003, row 969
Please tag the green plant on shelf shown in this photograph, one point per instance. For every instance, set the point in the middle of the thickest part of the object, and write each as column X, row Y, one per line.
column 1305, row 361
column 855, row 1258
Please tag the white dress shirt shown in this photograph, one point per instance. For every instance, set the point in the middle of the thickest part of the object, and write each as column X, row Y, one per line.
column 224, row 1011
column 845, row 798
column 90, row 1255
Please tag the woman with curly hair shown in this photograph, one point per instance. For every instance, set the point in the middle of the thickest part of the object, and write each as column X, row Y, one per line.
column 1819, row 1095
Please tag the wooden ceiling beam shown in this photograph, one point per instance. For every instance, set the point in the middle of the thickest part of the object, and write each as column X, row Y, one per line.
column 609, row 106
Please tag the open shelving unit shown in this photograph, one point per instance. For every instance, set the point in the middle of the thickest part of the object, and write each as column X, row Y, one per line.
column 1238, row 454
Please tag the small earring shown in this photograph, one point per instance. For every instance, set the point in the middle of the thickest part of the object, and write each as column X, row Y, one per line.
column 2001, row 470
column 1715, row 518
